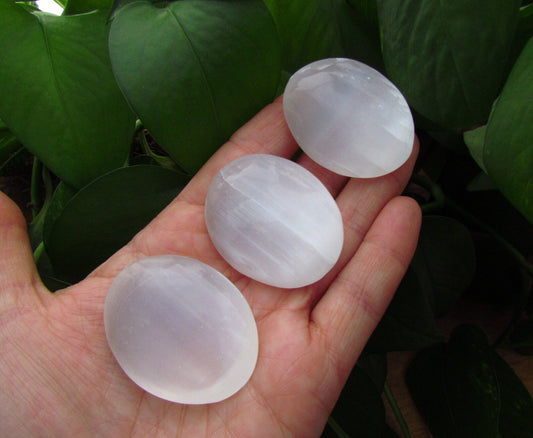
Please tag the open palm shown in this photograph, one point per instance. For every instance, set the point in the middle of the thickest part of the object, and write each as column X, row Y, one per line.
column 58, row 377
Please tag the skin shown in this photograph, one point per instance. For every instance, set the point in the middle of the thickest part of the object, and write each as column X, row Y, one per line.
column 59, row 377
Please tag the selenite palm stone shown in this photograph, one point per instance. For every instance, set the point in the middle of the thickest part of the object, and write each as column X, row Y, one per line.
column 180, row 329
column 273, row 221
column 349, row 118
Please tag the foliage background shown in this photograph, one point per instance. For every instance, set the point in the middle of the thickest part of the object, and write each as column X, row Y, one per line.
column 117, row 104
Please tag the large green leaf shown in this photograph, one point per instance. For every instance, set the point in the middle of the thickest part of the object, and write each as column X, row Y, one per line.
column 508, row 151
column 360, row 33
column 59, row 96
column 83, row 230
column 516, row 411
column 448, row 57
column 464, row 389
column 455, row 387
column 309, row 30
column 195, row 70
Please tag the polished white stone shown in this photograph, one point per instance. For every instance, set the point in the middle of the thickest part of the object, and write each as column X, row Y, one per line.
column 349, row 118
column 274, row 221
column 180, row 329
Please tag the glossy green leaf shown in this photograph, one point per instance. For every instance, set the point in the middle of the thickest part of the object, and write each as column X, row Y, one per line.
column 360, row 33
column 508, row 152
column 309, row 30
column 475, row 141
column 59, row 96
column 367, row 9
column 195, row 71
column 444, row 261
column 516, row 404
column 8, row 145
column 448, row 57
column 83, row 230
column 455, row 387
column 465, row 389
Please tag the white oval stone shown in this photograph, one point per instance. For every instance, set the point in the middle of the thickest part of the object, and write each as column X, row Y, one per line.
column 180, row 329
column 349, row 118
column 274, row 221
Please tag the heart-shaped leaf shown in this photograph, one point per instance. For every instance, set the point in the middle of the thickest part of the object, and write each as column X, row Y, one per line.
column 448, row 57
column 59, row 95
column 509, row 136
column 82, row 230
column 195, row 71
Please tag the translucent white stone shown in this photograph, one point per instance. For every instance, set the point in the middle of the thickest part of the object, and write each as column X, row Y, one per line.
column 274, row 221
column 349, row 118
column 180, row 329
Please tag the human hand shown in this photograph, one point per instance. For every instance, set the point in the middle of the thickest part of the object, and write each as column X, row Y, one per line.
column 58, row 376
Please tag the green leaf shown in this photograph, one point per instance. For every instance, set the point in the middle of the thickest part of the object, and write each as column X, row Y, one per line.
column 475, row 141
column 455, row 387
column 195, row 71
column 309, row 30
column 448, row 57
column 83, row 230
column 444, row 261
column 465, row 389
column 368, row 11
column 59, row 96
column 359, row 411
column 524, row 32
column 360, row 33
column 516, row 413
column 8, row 145
column 508, row 153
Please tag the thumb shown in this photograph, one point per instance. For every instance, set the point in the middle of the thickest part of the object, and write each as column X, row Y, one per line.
column 19, row 280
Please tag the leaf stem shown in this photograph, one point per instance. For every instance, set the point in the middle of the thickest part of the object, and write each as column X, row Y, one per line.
column 339, row 431
column 38, row 253
column 396, row 410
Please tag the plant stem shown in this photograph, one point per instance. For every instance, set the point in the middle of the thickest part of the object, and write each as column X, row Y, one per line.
column 337, row 428
column 38, row 253
column 396, row 410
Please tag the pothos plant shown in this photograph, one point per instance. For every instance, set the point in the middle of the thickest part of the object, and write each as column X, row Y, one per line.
column 119, row 103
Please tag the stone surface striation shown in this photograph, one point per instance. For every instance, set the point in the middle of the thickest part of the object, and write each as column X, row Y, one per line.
column 274, row 221
column 349, row 118
column 180, row 329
